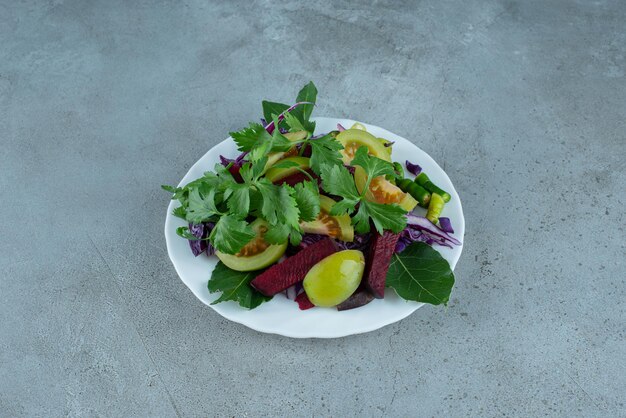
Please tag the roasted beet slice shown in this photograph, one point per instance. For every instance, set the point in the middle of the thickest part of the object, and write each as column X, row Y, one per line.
column 378, row 259
column 283, row 275
column 359, row 298
column 303, row 302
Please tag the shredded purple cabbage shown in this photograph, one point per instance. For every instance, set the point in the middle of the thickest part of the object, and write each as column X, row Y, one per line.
column 413, row 168
column 424, row 225
column 202, row 244
column 340, row 127
column 389, row 143
column 197, row 246
column 310, row 239
column 446, row 225
column 420, row 229
column 360, row 242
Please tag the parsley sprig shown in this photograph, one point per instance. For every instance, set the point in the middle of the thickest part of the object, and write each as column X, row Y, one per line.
column 337, row 180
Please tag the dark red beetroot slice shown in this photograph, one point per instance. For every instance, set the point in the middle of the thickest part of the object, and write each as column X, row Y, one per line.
column 378, row 259
column 296, row 178
column 303, row 302
column 283, row 275
column 359, row 298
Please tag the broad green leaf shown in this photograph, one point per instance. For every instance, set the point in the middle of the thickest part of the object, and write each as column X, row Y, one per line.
column 235, row 286
column 308, row 93
column 272, row 108
column 421, row 274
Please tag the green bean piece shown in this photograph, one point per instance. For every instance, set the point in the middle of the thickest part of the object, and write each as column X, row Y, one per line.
column 418, row 192
column 425, row 182
column 435, row 208
column 397, row 167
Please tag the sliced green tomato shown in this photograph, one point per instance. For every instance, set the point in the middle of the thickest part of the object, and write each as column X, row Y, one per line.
column 256, row 254
column 296, row 136
column 334, row 226
column 382, row 190
column 358, row 125
column 335, row 278
column 276, row 174
column 274, row 157
column 353, row 139
column 384, row 142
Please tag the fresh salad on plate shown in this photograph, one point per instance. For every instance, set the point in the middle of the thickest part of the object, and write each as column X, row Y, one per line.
column 327, row 220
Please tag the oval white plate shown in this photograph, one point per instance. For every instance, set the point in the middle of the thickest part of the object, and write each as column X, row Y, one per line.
column 281, row 315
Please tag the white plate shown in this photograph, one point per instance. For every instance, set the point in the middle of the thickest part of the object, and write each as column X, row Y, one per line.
column 281, row 315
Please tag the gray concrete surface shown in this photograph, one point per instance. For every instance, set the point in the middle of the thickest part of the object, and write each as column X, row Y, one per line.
column 523, row 102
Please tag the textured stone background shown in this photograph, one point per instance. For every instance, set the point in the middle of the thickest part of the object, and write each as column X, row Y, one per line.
column 522, row 102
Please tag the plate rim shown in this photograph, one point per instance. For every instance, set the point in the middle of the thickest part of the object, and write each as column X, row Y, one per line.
column 330, row 333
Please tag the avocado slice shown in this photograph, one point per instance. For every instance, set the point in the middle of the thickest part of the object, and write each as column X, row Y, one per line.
column 338, row 227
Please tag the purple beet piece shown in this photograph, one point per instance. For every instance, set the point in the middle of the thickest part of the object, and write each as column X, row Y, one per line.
column 291, row 271
column 381, row 250
column 359, row 298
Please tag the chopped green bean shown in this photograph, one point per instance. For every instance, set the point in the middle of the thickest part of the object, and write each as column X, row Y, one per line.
column 425, row 182
column 418, row 192
column 435, row 208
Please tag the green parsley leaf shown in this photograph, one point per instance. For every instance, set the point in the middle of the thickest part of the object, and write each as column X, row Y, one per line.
column 345, row 206
column 421, row 274
column 307, row 199
column 295, row 237
column 293, row 123
column 184, row 232
column 258, row 167
column 289, row 212
column 277, row 234
column 279, row 206
column 373, row 166
column 285, row 164
column 337, row 180
column 361, row 220
column 180, row 212
column 235, row 286
column 280, row 143
column 201, row 207
column 324, row 150
column 384, row 216
column 231, row 234
column 170, row 189
column 249, row 137
column 239, row 200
